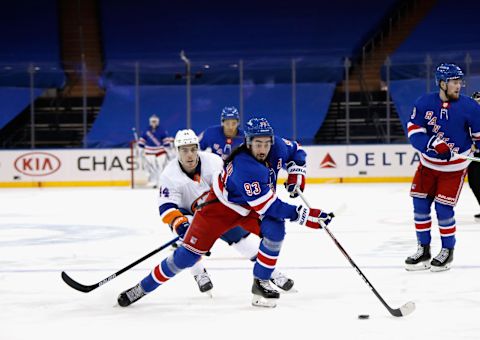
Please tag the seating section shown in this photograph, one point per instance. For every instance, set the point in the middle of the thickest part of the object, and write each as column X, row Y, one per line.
column 13, row 101
column 29, row 35
column 266, row 35
column 29, row 31
column 216, row 29
column 445, row 37
column 113, row 127
column 448, row 33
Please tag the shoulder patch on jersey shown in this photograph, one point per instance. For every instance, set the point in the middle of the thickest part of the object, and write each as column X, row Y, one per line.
column 287, row 142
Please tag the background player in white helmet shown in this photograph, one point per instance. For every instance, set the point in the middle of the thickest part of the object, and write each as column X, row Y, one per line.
column 474, row 168
column 156, row 149
column 183, row 185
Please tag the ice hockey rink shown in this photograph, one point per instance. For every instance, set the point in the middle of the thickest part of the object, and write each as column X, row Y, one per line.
column 93, row 232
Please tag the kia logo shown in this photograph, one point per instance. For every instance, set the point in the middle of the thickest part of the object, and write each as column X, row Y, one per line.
column 37, row 164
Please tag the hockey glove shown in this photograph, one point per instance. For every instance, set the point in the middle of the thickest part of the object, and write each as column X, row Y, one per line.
column 312, row 218
column 476, row 150
column 441, row 149
column 296, row 179
column 180, row 225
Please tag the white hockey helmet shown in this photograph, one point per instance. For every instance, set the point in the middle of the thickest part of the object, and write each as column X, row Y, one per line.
column 154, row 121
column 186, row 137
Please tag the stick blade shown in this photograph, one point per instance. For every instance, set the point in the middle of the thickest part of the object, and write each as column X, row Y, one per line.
column 75, row 285
column 404, row 310
column 408, row 308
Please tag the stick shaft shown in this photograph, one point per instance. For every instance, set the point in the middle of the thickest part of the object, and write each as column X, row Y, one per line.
column 474, row 159
column 88, row 288
column 394, row 312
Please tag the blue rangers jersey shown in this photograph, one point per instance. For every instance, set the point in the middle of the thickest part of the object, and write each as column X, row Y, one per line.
column 246, row 184
column 456, row 122
column 154, row 141
column 213, row 139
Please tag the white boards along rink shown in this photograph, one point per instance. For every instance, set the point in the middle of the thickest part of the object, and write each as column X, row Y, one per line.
column 113, row 167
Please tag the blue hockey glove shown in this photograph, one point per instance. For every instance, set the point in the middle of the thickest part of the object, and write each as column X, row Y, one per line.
column 296, row 179
column 180, row 226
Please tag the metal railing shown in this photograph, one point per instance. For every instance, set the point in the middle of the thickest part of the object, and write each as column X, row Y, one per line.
column 243, row 73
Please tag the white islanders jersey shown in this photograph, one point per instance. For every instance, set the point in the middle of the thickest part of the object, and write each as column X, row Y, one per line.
column 178, row 191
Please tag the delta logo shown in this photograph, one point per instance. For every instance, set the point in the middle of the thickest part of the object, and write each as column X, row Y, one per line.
column 37, row 164
column 328, row 162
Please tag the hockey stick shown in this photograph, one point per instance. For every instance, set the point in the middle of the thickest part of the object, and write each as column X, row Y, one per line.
column 406, row 309
column 84, row 288
column 471, row 158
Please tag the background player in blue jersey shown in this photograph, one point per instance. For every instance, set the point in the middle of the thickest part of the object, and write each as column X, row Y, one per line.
column 442, row 125
column 243, row 194
column 474, row 168
column 155, row 148
column 222, row 139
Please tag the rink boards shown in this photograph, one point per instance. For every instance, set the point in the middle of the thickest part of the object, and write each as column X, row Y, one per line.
column 112, row 167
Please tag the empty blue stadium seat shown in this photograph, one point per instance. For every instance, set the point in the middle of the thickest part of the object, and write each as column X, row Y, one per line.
column 447, row 34
column 29, row 34
column 218, row 30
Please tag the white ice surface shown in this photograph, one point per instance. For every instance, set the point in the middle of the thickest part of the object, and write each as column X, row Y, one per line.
column 92, row 233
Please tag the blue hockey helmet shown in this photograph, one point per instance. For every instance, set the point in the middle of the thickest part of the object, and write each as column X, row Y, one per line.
column 230, row 112
column 258, row 127
column 447, row 72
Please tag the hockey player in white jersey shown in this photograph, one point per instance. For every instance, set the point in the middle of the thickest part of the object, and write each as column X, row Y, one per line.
column 184, row 184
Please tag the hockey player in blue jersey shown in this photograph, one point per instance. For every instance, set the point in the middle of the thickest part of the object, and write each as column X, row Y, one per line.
column 222, row 139
column 156, row 149
column 442, row 127
column 243, row 194
column 184, row 182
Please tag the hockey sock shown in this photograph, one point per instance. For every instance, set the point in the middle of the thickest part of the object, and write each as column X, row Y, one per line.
column 172, row 265
column 159, row 275
column 446, row 224
column 266, row 258
column 247, row 247
column 422, row 219
column 423, row 225
column 197, row 269
column 276, row 273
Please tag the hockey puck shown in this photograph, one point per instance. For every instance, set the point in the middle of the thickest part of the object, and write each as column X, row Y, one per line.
column 363, row 316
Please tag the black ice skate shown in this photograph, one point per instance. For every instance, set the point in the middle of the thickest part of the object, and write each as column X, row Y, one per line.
column 263, row 294
column 281, row 281
column 131, row 295
column 476, row 217
column 442, row 261
column 420, row 260
column 204, row 283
